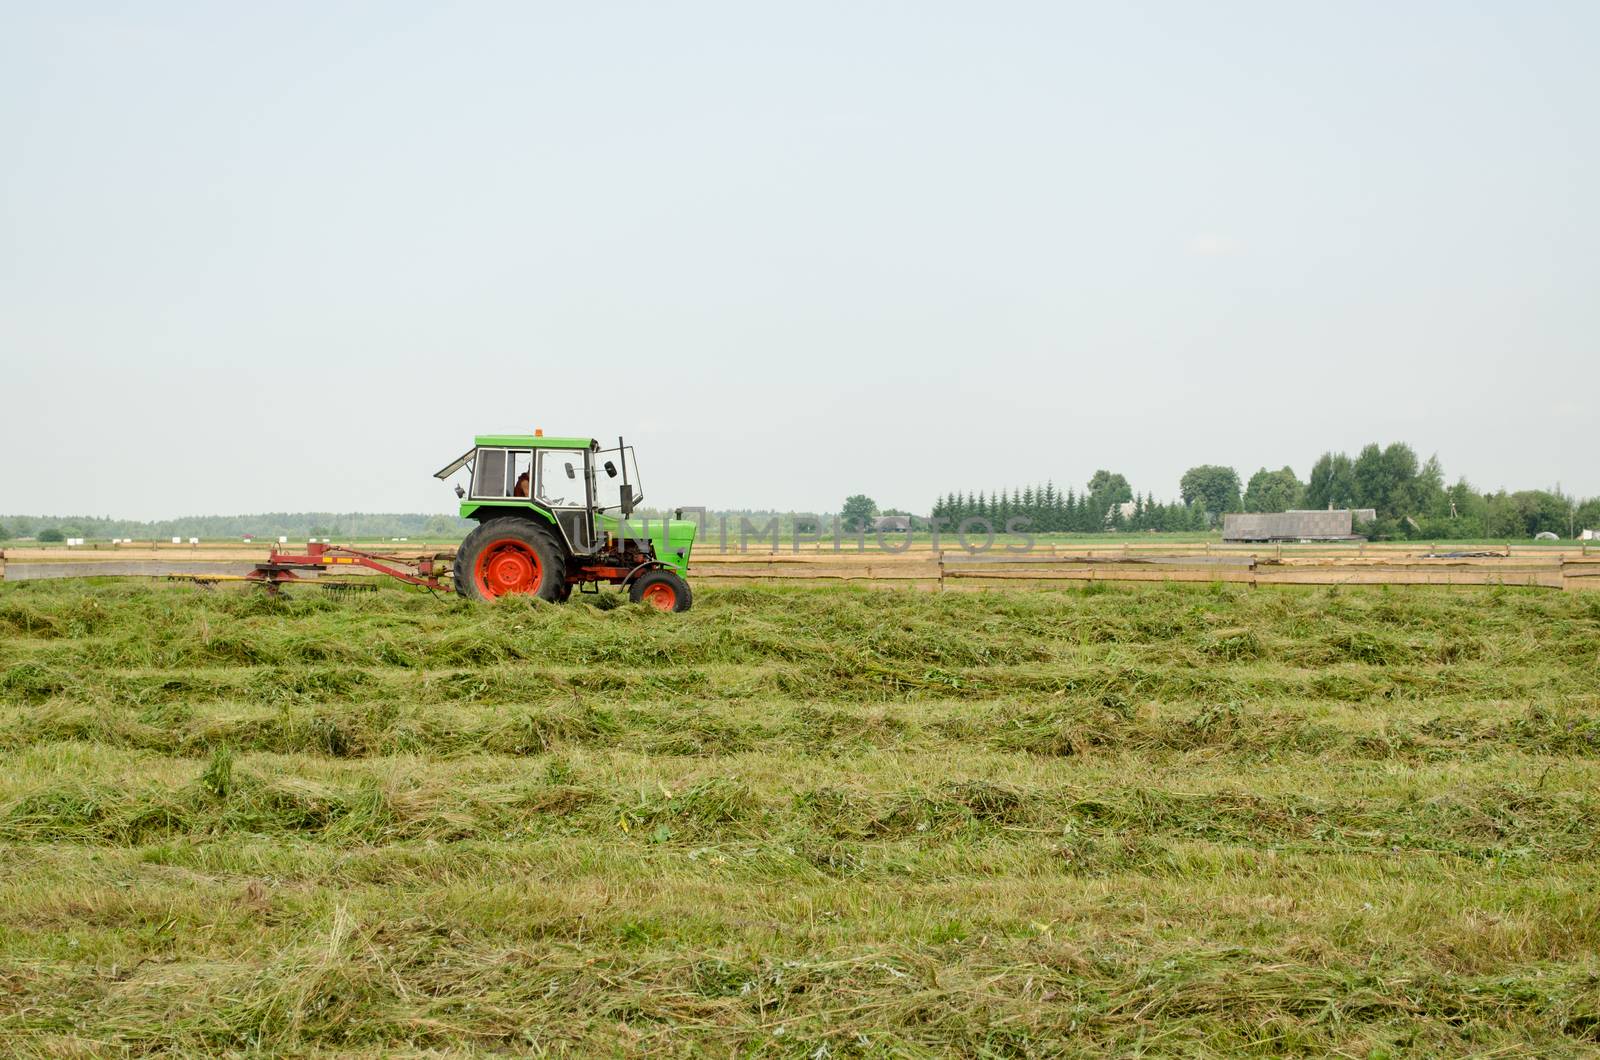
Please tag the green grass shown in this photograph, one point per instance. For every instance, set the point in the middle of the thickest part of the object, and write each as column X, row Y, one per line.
column 800, row 822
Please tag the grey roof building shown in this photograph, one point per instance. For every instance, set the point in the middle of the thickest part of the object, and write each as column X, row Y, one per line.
column 1337, row 524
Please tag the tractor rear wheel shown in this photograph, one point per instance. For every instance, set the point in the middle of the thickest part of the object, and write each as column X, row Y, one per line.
column 507, row 556
column 662, row 589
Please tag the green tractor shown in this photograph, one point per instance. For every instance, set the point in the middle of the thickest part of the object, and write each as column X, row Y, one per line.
column 553, row 515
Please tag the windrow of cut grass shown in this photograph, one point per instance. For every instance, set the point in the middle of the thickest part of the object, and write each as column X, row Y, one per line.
column 800, row 822
column 1093, row 724
column 138, row 801
column 1170, row 643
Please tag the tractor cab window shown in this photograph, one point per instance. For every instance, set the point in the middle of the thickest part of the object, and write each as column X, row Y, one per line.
column 563, row 478
column 502, row 473
column 610, row 468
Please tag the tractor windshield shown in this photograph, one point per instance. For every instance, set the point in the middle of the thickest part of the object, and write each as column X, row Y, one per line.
column 562, row 478
column 611, row 466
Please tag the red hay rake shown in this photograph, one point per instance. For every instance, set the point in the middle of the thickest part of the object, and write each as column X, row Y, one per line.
column 280, row 567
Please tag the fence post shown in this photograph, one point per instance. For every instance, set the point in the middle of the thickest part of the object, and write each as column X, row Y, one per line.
column 941, row 570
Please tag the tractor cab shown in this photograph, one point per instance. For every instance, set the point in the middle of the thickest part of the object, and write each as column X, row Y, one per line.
column 577, row 496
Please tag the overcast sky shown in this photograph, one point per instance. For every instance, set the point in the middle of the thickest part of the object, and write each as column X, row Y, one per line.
column 293, row 256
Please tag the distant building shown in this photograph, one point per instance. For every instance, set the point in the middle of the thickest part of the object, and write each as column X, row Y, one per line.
column 1337, row 524
column 1589, row 535
column 892, row 524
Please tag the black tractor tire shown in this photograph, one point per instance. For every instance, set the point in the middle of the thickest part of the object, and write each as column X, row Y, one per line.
column 507, row 556
column 662, row 589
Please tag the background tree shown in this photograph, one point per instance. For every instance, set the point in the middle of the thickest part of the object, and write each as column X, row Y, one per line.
column 1106, row 490
column 1459, row 512
column 1386, row 480
column 5, row 534
column 1215, row 487
column 1371, row 477
column 1273, row 491
column 1528, row 512
column 858, row 511
column 51, row 536
column 440, row 526
column 1332, row 483
column 1049, row 510
column 1404, row 472
column 1112, row 488
column 1429, row 491
column 1411, row 500
column 1587, row 516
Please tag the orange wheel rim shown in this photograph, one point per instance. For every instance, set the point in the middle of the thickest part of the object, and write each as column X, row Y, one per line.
column 507, row 566
column 660, row 596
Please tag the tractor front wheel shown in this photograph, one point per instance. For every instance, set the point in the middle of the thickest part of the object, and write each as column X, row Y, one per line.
column 508, row 556
column 662, row 589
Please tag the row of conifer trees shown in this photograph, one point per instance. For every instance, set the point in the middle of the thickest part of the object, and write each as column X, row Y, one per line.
column 1048, row 510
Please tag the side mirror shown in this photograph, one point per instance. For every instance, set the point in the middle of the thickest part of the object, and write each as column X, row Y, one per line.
column 627, row 500
column 571, row 473
column 611, row 469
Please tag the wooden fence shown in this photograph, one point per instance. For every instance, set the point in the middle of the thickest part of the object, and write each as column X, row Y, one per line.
column 1570, row 567
column 991, row 570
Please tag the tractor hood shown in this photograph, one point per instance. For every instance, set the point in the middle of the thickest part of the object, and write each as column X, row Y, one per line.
column 670, row 539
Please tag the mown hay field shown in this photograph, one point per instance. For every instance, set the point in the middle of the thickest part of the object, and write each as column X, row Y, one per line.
column 813, row 822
